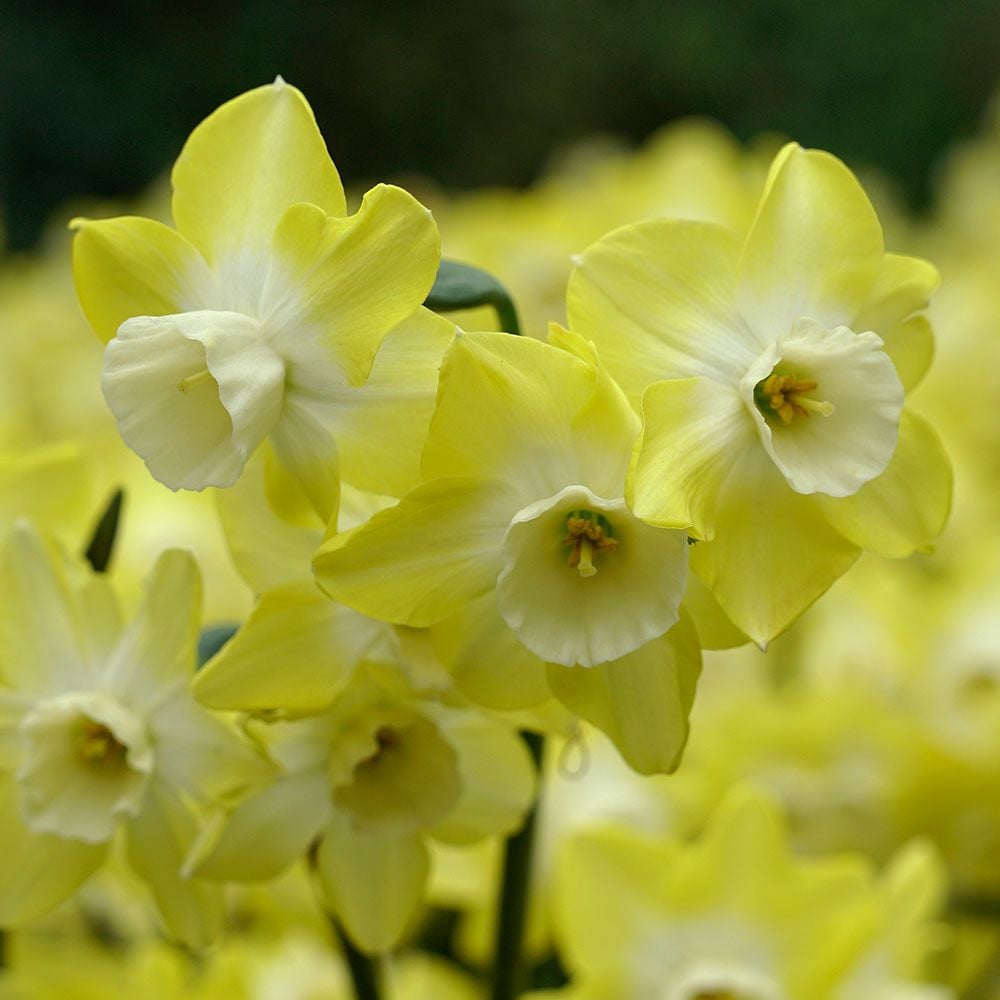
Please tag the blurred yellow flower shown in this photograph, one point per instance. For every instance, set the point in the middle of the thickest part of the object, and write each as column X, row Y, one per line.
column 98, row 732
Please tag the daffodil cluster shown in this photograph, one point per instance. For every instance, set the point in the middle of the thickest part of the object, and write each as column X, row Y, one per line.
column 431, row 547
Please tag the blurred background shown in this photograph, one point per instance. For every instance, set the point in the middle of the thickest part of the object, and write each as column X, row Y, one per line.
column 97, row 99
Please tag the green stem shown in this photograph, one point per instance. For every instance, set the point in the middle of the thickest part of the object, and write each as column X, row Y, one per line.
column 507, row 315
column 975, row 907
column 509, row 971
column 363, row 968
column 463, row 286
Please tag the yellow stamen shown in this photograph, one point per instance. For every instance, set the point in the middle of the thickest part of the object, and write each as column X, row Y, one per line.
column 587, row 538
column 191, row 380
column 97, row 745
column 784, row 395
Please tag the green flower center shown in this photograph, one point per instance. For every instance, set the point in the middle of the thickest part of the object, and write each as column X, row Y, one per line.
column 98, row 747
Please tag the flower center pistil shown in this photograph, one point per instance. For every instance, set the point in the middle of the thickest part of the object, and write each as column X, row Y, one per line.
column 587, row 534
column 98, row 746
column 785, row 396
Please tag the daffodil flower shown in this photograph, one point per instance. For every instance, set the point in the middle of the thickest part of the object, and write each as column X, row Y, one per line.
column 99, row 733
column 771, row 379
column 261, row 314
column 365, row 786
column 522, row 507
column 299, row 650
column 735, row 914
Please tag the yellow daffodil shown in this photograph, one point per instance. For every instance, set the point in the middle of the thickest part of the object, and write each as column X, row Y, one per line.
column 771, row 374
column 522, row 507
column 735, row 915
column 301, row 652
column 273, row 532
column 262, row 313
column 98, row 732
column 364, row 785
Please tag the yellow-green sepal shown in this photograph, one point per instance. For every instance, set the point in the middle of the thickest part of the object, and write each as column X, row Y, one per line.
column 642, row 700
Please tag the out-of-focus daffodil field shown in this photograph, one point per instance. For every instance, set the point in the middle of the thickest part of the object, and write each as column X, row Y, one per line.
column 328, row 797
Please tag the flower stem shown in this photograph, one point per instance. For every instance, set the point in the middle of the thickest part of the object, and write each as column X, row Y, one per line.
column 462, row 286
column 363, row 968
column 508, row 970
column 503, row 306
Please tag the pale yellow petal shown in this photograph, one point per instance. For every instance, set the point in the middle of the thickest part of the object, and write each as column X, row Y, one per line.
column 420, row 561
column 348, row 281
column 245, row 165
column 128, row 267
column 774, row 552
column 905, row 508
column 715, row 630
column 506, row 409
column 608, row 894
column 904, row 286
column 37, row 871
column 497, row 776
column 658, row 300
column 489, row 665
column 52, row 484
column 641, row 701
column 42, row 646
column 13, row 708
column 271, row 528
column 693, row 429
column 815, row 247
column 381, row 426
column 911, row 347
column 374, row 883
column 101, row 618
column 204, row 756
column 606, row 427
column 304, row 445
column 266, row 833
column 297, row 651
column 156, row 653
column 158, row 842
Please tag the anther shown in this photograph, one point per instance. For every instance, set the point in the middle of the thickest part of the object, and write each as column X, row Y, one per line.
column 784, row 395
column 587, row 534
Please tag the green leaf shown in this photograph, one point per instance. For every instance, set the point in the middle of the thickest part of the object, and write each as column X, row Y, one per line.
column 102, row 541
column 212, row 639
column 462, row 286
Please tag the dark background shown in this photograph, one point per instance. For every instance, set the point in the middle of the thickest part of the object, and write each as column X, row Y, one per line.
column 97, row 98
